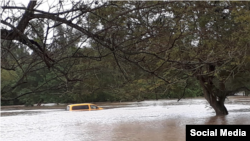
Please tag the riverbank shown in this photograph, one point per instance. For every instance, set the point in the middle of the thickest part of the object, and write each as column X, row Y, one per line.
column 230, row 100
column 23, row 107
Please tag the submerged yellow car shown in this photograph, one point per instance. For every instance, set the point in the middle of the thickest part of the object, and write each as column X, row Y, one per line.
column 83, row 107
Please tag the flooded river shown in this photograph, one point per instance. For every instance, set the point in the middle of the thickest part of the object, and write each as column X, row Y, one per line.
column 162, row 120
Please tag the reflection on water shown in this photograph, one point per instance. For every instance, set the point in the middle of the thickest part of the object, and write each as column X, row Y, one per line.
column 162, row 120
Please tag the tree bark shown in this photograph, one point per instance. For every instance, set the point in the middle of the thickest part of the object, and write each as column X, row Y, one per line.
column 215, row 97
column 219, row 107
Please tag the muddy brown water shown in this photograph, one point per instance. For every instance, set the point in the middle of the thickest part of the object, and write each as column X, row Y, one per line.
column 162, row 120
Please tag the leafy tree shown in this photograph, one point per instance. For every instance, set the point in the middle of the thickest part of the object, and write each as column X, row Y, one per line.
column 173, row 42
column 200, row 43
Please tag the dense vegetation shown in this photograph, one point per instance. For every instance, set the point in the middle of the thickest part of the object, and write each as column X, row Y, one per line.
column 76, row 51
column 94, row 81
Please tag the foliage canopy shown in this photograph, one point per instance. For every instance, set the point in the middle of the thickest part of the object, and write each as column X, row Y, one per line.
column 125, row 50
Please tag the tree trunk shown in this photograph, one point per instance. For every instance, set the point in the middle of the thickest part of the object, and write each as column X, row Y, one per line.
column 40, row 102
column 214, row 96
column 218, row 106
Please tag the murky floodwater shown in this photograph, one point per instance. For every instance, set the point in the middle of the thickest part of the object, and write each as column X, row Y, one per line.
column 162, row 120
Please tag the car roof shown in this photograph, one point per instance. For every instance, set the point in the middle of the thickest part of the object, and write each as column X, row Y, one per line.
column 81, row 104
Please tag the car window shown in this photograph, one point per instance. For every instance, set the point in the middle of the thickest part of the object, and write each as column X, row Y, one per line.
column 93, row 107
column 82, row 107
